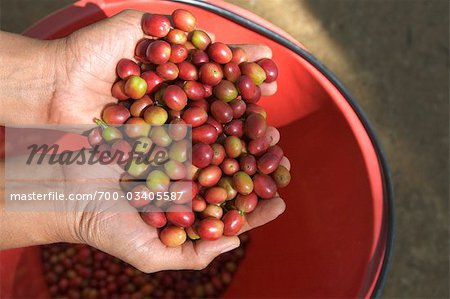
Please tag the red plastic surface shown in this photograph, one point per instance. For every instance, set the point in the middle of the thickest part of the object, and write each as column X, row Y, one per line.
column 327, row 242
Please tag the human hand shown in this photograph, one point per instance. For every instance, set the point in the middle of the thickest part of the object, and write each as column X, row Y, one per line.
column 85, row 72
column 86, row 66
column 117, row 228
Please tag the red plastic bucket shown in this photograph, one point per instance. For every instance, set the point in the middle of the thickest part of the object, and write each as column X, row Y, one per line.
column 335, row 238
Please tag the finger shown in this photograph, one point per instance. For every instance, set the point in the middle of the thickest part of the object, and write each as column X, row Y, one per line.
column 195, row 256
column 255, row 52
column 212, row 36
column 131, row 19
column 266, row 211
column 286, row 163
column 268, row 89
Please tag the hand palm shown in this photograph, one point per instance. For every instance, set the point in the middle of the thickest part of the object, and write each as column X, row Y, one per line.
column 90, row 58
column 117, row 228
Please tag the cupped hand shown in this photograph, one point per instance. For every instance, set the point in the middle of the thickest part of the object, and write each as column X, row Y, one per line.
column 87, row 62
column 86, row 71
column 116, row 227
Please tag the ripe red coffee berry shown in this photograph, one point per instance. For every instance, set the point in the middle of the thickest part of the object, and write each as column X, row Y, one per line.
column 159, row 52
column 221, row 111
column 218, row 154
column 234, row 128
column 175, row 98
column 210, row 73
column 255, row 126
column 140, row 52
column 199, row 57
column 209, row 176
column 173, row 236
column 115, row 114
column 246, row 87
column 118, row 91
column 138, row 106
column 188, row 71
column 155, row 25
column 194, row 90
column 268, row 163
column 180, row 215
column 195, row 116
column 198, row 204
column 270, row 68
column 154, row 216
column 168, row 71
column 210, row 229
column 238, row 107
column 256, row 97
column 153, row 81
column 247, row 164
column 258, row 146
column 135, row 87
column 264, row 186
column 202, row 155
column 178, row 53
column 231, row 71
column 205, row 133
column 233, row 222
column 215, row 195
column 220, row 53
column 246, row 203
column 276, row 150
column 217, row 125
column 184, row 20
column 229, row 166
column 126, row 68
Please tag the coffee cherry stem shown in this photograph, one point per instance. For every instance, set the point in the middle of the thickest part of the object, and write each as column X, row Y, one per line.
column 101, row 123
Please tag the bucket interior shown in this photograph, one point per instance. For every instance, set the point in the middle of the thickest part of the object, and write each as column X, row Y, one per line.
column 327, row 244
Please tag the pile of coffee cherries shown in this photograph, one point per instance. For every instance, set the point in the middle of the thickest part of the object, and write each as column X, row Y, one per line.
column 79, row 271
column 183, row 78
